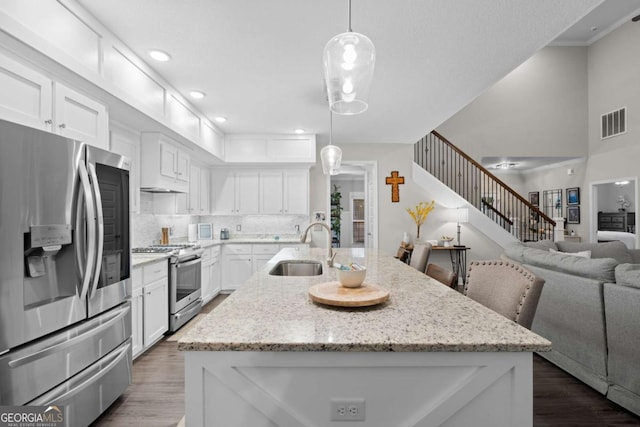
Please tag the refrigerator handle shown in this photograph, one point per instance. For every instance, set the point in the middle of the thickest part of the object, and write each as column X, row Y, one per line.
column 91, row 231
column 100, row 224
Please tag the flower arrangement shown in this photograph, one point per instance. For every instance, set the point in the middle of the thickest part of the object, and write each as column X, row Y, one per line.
column 419, row 214
column 624, row 203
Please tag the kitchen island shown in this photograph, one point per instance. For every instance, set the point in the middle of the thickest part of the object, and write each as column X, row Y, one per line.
column 429, row 356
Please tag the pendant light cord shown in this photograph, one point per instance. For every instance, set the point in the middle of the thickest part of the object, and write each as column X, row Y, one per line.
column 330, row 127
column 349, row 30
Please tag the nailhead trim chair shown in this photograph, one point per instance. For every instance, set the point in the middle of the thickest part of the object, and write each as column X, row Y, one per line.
column 506, row 288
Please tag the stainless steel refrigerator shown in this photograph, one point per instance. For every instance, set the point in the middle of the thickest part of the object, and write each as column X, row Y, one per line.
column 65, row 286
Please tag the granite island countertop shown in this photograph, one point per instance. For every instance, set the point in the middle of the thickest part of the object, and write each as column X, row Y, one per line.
column 274, row 313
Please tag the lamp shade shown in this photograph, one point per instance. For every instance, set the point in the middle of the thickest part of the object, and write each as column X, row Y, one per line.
column 462, row 215
column 330, row 156
column 349, row 59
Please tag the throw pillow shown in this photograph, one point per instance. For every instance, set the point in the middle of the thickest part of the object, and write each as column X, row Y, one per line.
column 628, row 275
column 583, row 254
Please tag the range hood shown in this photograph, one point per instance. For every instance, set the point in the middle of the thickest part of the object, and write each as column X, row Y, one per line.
column 160, row 190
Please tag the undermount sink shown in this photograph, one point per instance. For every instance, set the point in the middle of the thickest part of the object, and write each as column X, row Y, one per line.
column 297, row 268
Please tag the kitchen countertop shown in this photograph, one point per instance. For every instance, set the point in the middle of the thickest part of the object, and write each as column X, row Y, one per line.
column 138, row 260
column 274, row 313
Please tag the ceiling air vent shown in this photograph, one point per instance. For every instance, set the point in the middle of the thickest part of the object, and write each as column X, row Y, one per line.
column 613, row 123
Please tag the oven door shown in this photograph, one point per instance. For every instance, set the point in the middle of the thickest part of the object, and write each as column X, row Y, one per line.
column 185, row 284
column 109, row 176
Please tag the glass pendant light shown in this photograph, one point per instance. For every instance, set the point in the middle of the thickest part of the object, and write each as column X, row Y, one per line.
column 349, row 59
column 330, row 155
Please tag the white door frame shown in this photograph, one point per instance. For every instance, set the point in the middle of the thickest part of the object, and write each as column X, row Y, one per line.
column 593, row 198
column 371, row 198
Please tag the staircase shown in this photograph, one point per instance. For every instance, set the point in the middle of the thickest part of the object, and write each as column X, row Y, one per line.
column 481, row 189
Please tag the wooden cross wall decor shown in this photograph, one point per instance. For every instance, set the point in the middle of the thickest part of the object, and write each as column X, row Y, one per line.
column 394, row 181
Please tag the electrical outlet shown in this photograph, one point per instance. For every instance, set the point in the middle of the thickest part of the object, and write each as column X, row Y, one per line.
column 238, row 227
column 347, row 409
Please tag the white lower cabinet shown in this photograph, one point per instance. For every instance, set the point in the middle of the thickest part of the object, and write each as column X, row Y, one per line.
column 137, row 309
column 150, row 305
column 210, row 274
column 241, row 260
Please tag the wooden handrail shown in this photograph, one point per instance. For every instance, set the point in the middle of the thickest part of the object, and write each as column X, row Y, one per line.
column 481, row 188
column 495, row 178
column 497, row 212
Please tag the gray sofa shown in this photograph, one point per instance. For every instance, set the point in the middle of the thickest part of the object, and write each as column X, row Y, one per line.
column 589, row 310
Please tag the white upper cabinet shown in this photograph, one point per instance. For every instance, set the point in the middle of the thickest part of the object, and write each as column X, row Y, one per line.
column 236, row 192
column 266, row 191
column 79, row 117
column 296, row 192
column 271, row 192
column 183, row 118
column 205, row 192
column 26, row 96
column 211, row 139
column 247, row 190
column 246, row 149
column 163, row 164
column 127, row 143
column 32, row 99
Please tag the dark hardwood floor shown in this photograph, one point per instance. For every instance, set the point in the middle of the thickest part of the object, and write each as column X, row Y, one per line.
column 156, row 397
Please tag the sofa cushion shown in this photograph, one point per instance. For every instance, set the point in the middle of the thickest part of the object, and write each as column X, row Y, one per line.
column 628, row 275
column 513, row 251
column 542, row 244
column 583, row 254
column 617, row 250
column 596, row 268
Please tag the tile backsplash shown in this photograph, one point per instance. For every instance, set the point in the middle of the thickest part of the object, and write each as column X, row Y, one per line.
column 147, row 224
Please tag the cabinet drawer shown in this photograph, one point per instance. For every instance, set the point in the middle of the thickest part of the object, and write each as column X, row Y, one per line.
column 155, row 271
column 266, row 249
column 215, row 251
column 206, row 255
column 238, row 248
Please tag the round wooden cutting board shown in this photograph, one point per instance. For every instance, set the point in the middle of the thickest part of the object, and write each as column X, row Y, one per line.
column 333, row 293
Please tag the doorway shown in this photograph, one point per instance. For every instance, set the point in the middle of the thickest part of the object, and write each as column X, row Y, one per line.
column 352, row 202
column 619, row 198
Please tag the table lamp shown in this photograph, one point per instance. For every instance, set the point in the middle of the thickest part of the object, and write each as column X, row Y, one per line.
column 462, row 217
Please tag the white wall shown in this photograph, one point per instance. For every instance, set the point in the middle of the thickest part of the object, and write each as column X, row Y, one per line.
column 393, row 220
column 609, row 193
column 539, row 109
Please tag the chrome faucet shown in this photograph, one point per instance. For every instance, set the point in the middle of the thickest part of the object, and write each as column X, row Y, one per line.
column 330, row 254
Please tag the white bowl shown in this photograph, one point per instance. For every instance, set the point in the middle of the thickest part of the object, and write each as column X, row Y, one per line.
column 351, row 278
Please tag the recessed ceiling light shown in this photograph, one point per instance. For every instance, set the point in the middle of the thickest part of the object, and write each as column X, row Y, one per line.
column 220, row 119
column 299, row 131
column 196, row 94
column 159, row 55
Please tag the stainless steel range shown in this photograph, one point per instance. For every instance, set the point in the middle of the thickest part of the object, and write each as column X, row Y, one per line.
column 185, row 286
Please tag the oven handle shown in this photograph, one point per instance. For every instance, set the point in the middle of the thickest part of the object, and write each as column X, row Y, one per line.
column 188, row 263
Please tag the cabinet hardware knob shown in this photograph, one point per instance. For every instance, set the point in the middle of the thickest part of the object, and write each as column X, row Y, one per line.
column 48, row 121
column 62, row 125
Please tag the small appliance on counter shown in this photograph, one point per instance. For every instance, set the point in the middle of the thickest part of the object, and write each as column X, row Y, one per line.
column 192, row 232
column 224, row 234
column 205, row 231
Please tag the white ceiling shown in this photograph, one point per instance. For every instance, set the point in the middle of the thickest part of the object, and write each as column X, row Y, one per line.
column 259, row 62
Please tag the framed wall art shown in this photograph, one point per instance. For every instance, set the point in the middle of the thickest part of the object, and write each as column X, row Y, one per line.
column 534, row 198
column 573, row 214
column 573, row 196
